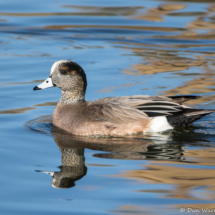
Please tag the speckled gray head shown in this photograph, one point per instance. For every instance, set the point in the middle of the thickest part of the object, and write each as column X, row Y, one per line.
column 68, row 76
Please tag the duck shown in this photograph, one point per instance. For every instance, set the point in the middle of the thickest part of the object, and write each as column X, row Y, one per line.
column 113, row 116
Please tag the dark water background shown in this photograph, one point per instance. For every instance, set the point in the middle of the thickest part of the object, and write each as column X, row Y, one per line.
column 126, row 47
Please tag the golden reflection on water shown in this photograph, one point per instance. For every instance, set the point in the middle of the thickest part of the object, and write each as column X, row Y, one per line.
column 153, row 66
column 16, row 111
column 152, row 28
column 155, row 14
column 25, row 109
column 86, row 11
column 190, row 177
column 30, row 82
column 46, row 104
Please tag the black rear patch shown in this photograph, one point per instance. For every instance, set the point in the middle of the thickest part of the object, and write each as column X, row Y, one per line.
column 181, row 120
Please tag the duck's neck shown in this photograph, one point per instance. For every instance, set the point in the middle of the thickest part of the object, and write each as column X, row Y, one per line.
column 68, row 97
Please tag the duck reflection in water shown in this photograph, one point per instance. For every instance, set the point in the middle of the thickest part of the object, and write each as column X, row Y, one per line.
column 131, row 148
column 71, row 171
column 73, row 164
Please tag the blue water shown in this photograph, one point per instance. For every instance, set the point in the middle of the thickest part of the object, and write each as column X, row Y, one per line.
column 126, row 48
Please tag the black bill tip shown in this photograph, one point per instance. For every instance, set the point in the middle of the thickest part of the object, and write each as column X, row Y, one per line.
column 36, row 88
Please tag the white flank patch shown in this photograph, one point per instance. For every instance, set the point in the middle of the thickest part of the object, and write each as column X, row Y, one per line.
column 159, row 124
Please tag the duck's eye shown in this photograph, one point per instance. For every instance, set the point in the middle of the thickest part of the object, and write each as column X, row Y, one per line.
column 63, row 72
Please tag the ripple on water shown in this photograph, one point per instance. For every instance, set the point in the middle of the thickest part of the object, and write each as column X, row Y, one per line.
column 42, row 125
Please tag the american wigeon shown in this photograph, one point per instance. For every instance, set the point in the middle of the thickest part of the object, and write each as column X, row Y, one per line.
column 113, row 116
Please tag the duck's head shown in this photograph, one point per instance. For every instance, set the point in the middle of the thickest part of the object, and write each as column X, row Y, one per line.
column 68, row 76
column 65, row 74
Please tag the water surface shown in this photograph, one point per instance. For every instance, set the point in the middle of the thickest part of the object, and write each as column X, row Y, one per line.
column 126, row 48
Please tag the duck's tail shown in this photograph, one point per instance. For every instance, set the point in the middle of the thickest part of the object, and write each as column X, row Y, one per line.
column 187, row 117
